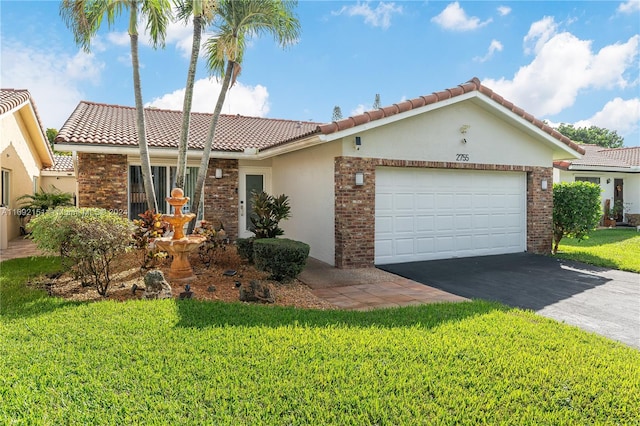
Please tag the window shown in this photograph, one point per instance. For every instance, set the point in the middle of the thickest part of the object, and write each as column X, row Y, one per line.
column 595, row 180
column 6, row 185
column 164, row 179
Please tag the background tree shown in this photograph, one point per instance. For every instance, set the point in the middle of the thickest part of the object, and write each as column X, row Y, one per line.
column 592, row 135
column 337, row 113
column 233, row 22
column 84, row 18
column 376, row 102
column 51, row 136
column 576, row 210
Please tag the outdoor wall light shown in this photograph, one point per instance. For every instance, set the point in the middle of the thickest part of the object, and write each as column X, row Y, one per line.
column 544, row 184
column 359, row 178
column 357, row 143
column 218, row 173
column 608, row 180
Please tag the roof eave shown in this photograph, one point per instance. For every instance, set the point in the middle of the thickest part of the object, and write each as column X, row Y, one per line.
column 621, row 169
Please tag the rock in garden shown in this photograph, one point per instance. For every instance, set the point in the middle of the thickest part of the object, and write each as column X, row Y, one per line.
column 156, row 287
column 256, row 291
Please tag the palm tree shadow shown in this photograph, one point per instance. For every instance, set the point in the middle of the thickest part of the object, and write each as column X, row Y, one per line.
column 203, row 314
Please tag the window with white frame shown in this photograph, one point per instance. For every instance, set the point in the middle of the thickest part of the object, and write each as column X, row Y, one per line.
column 591, row 179
column 164, row 179
column 6, row 188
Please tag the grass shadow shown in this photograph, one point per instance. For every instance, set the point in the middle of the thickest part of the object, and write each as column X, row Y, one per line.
column 17, row 300
column 201, row 314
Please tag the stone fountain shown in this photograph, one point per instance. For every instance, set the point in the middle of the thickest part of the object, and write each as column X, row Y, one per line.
column 179, row 246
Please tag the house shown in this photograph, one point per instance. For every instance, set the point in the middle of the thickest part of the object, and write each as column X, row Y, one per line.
column 460, row 172
column 616, row 170
column 25, row 152
column 60, row 175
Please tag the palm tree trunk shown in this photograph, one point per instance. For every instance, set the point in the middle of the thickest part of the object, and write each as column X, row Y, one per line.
column 188, row 100
column 204, row 162
column 137, row 89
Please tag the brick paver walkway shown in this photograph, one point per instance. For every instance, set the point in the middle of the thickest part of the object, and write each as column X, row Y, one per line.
column 20, row 247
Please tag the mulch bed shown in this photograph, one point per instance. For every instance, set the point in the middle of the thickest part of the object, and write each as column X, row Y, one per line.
column 211, row 282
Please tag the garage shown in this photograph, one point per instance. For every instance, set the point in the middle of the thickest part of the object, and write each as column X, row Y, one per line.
column 428, row 214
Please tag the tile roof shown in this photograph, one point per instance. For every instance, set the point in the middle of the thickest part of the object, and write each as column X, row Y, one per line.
column 597, row 156
column 103, row 124
column 470, row 86
column 11, row 98
column 93, row 123
column 61, row 163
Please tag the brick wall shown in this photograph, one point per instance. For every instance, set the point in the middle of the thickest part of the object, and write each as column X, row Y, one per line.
column 355, row 205
column 221, row 195
column 102, row 181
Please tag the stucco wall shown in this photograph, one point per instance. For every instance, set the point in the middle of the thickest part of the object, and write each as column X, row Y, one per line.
column 631, row 190
column 20, row 158
column 307, row 177
column 63, row 183
column 436, row 136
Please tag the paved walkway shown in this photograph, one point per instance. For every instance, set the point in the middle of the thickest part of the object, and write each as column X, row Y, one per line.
column 20, row 247
column 368, row 288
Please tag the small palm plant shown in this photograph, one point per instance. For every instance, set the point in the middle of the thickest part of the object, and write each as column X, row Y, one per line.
column 42, row 201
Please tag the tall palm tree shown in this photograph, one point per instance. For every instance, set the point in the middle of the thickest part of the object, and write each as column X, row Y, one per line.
column 202, row 12
column 234, row 21
column 84, row 18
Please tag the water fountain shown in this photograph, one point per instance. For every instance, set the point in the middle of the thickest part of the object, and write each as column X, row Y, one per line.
column 179, row 246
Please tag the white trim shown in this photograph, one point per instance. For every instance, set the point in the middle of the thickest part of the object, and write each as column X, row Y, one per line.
column 243, row 171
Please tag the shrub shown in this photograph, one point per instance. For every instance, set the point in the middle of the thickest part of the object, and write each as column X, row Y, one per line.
column 267, row 213
column 283, row 258
column 576, row 210
column 215, row 246
column 43, row 200
column 87, row 239
column 148, row 227
column 245, row 248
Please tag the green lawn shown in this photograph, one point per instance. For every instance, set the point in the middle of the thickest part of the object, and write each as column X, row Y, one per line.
column 617, row 248
column 189, row 362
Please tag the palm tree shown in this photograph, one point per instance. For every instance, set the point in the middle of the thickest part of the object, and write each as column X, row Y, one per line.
column 84, row 18
column 202, row 12
column 234, row 21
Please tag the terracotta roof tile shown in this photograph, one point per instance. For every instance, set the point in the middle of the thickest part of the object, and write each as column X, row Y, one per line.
column 94, row 123
column 470, row 86
column 61, row 163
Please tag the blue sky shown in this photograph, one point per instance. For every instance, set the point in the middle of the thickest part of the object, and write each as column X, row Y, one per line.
column 573, row 62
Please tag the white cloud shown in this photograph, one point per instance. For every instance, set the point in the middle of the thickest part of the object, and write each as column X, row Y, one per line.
column 539, row 33
column 378, row 17
column 454, row 18
column 360, row 109
column 618, row 114
column 629, row 7
column 504, row 10
column 54, row 78
column 563, row 66
column 495, row 46
column 119, row 38
column 246, row 100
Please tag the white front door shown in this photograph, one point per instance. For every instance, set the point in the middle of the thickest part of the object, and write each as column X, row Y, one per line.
column 252, row 179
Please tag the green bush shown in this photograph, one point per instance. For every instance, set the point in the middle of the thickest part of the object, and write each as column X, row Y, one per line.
column 282, row 257
column 87, row 239
column 43, row 200
column 576, row 210
column 245, row 248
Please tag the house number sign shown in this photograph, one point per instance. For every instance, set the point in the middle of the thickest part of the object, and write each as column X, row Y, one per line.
column 462, row 157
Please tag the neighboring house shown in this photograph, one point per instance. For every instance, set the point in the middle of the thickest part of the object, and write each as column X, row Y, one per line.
column 461, row 172
column 61, row 175
column 616, row 170
column 25, row 152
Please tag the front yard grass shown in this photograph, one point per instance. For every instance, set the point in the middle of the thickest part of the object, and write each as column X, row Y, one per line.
column 193, row 362
column 617, row 248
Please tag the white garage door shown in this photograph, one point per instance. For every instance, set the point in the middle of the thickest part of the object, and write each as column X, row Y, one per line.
column 426, row 214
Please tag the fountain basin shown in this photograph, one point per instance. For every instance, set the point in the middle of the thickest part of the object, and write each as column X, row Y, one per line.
column 180, row 249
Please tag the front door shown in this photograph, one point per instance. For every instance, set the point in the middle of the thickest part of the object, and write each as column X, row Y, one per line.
column 252, row 179
column 618, row 199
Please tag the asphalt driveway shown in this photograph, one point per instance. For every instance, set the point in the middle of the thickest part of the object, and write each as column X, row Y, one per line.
column 603, row 301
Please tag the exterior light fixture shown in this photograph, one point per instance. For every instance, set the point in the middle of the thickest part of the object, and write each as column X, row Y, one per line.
column 218, row 173
column 544, row 184
column 357, row 143
column 359, row 178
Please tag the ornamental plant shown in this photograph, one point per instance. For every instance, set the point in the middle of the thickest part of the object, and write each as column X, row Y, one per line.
column 576, row 210
column 147, row 228
column 87, row 240
column 267, row 213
